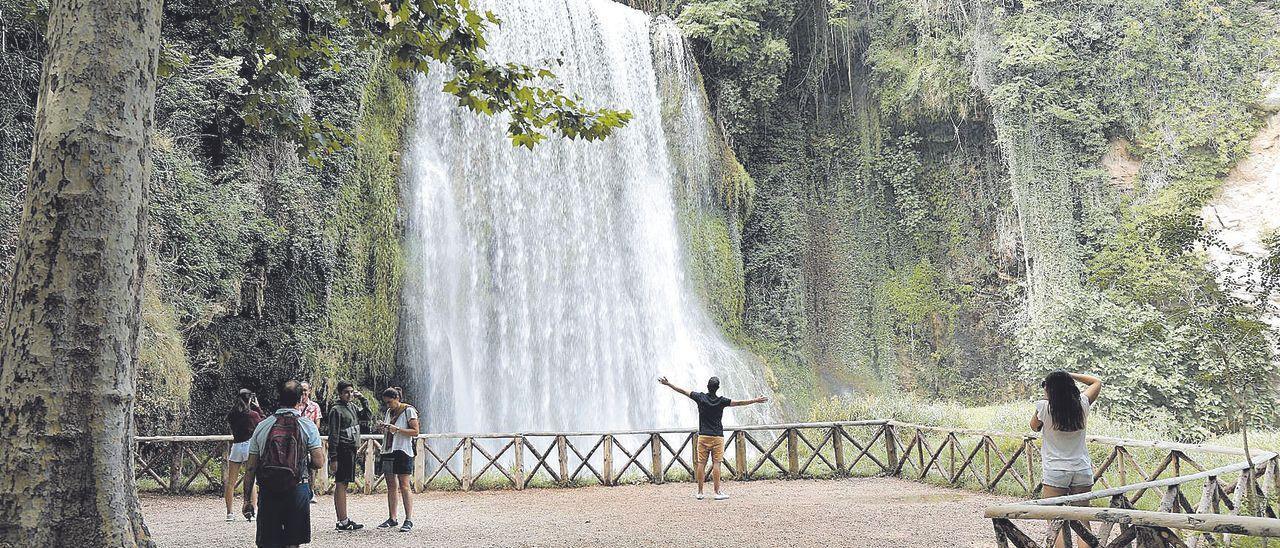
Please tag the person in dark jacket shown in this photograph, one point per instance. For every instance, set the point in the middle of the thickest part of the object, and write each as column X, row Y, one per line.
column 242, row 418
column 346, row 418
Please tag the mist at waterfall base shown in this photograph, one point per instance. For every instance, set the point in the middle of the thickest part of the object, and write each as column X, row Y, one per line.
column 545, row 290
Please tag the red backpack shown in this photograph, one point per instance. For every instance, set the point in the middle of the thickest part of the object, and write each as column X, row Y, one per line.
column 283, row 459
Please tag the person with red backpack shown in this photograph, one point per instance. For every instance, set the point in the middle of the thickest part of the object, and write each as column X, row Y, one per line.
column 284, row 447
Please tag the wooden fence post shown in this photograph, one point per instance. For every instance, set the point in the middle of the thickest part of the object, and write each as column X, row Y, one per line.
column 419, row 465
column 467, row 444
column 369, row 459
column 322, row 475
column 1028, row 447
column 517, row 470
column 837, row 445
column 562, row 451
column 655, row 448
column 793, row 452
column 175, row 467
column 891, row 449
column 1120, row 467
column 739, row 454
column 607, row 447
column 226, row 471
column 986, row 458
column 1273, row 476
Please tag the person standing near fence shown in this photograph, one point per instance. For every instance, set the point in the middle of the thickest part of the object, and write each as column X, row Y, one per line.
column 311, row 410
column 710, row 430
column 282, row 449
column 345, row 421
column 242, row 418
column 399, row 427
column 1061, row 418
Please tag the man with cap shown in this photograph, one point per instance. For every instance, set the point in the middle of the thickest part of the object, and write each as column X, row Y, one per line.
column 710, row 430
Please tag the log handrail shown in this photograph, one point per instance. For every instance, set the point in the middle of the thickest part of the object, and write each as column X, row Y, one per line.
column 492, row 435
column 1208, row 523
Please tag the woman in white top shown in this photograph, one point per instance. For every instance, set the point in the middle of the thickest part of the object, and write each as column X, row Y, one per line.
column 1061, row 418
column 399, row 426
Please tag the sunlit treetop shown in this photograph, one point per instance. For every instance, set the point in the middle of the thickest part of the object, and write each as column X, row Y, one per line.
column 417, row 34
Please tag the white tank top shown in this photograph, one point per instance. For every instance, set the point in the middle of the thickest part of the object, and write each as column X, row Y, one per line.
column 1063, row 450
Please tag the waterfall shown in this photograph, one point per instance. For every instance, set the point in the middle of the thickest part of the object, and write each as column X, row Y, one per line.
column 545, row 289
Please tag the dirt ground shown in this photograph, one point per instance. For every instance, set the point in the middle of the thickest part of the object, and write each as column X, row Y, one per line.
column 861, row 512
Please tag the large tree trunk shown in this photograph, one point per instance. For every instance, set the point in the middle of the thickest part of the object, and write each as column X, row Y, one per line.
column 71, row 318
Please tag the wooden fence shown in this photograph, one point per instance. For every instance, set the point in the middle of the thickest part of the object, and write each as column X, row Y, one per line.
column 520, row 460
column 1145, row 501
column 1239, row 498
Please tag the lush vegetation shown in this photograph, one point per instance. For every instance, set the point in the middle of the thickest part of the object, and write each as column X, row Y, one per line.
column 893, row 247
column 274, row 207
column 910, row 196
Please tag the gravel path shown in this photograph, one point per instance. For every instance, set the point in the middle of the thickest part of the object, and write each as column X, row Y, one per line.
column 863, row 512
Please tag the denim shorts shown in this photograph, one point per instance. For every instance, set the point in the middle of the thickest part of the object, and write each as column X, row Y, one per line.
column 239, row 452
column 1066, row 479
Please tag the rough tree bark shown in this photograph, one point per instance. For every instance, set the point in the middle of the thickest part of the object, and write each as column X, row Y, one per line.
column 71, row 319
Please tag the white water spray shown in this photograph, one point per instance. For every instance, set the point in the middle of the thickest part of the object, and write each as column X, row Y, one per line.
column 545, row 289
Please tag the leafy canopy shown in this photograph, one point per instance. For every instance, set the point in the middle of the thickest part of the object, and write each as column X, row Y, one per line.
column 292, row 35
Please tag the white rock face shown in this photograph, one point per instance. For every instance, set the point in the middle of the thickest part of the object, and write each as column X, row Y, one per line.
column 1271, row 95
column 1249, row 202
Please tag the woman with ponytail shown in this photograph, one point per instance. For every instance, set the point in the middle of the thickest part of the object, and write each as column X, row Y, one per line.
column 399, row 427
column 243, row 417
column 1061, row 418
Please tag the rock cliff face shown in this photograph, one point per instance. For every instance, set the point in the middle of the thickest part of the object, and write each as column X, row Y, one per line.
column 1246, row 209
column 956, row 196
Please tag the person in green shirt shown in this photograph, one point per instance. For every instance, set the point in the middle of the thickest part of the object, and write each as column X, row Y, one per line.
column 345, row 420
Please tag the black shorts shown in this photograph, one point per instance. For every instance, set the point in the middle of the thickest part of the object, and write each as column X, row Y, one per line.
column 344, row 463
column 285, row 520
column 397, row 462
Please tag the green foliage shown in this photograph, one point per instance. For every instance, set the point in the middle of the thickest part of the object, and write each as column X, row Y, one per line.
column 744, row 47
column 297, row 37
column 737, row 188
column 359, row 338
column 164, row 373
column 917, row 56
column 21, row 22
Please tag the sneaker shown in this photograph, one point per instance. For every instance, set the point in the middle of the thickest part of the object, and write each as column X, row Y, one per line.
column 699, row 496
column 408, row 526
column 721, row 496
column 391, row 522
column 349, row 526
column 252, row 517
column 231, row 517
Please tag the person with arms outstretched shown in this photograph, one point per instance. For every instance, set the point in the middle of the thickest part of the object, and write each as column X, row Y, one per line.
column 1061, row 418
column 710, row 430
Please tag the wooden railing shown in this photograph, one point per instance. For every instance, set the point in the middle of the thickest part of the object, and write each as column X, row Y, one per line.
column 520, row 460
column 1239, row 498
column 1145, row 501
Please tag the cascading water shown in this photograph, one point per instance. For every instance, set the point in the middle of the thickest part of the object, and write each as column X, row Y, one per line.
column 545, row 289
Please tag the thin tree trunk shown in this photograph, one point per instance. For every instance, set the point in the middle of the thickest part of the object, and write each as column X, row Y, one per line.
column 71, row 320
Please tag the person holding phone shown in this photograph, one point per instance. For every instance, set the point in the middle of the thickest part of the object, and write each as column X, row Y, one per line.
column 399, row 426
column 345, row 420
column 242, row 418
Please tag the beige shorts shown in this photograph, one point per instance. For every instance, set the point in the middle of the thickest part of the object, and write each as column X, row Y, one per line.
column 713, row 445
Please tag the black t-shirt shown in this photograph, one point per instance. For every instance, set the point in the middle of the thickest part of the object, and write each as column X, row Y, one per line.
column 710, row 411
